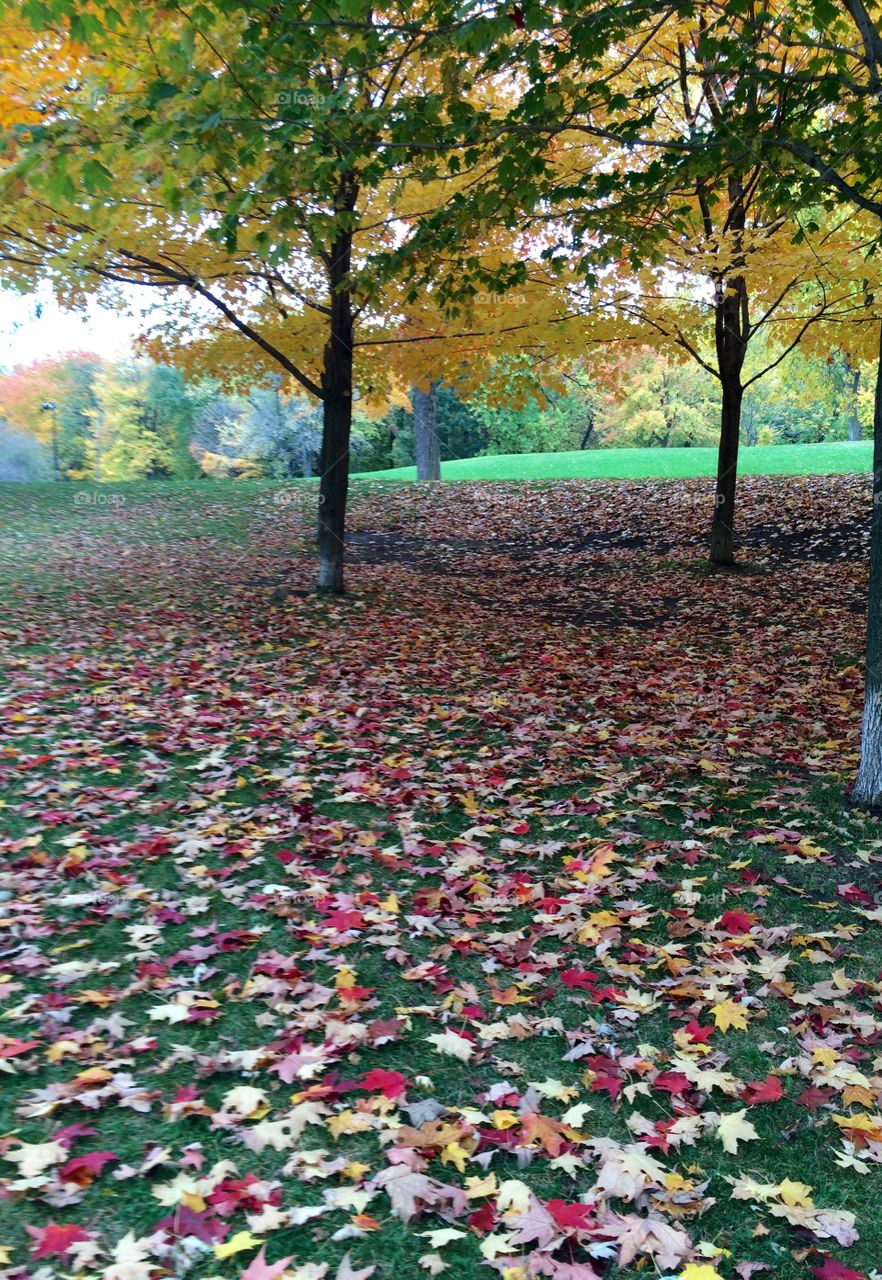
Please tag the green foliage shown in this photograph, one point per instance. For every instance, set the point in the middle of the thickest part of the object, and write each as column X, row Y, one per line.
column 661, row 404
column 807, row 399
column 128, row 442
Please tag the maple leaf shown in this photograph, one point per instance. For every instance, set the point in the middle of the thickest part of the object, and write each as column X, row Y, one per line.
column 33, row 1157
column 573, row 1217
column 759, row 1091
column 449, row 1042
column 445, row 1235
column 345, row 1270
column 409, row 1191
column 736, row 922
column 236, row 1244
column 535, row 1226
column 734, row 1128
column 576, row 978
column 665, row 1244
column 391, row 1084
column 833, row 1270
column 259, row 1269
column 56, row 1238
column 729, row 1014
column 84, row 1168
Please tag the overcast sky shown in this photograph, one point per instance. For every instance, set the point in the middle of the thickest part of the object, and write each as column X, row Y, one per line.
column 27, row 336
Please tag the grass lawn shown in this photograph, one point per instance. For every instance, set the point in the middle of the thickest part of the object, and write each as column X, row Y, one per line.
column 503, row 917
column 786, row 459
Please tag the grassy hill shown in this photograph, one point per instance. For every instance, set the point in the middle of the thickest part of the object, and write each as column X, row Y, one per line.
column 623, row 464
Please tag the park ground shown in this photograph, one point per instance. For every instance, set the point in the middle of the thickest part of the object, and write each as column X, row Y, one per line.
column 506, row 912
column 832, row 457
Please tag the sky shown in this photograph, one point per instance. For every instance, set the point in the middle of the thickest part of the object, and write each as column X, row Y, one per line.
column 26, row 335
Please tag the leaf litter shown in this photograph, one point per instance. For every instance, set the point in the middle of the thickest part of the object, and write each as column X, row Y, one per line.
column 502, row 916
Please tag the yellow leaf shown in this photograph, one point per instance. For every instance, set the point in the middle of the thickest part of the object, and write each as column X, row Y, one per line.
column 795, row 1193
column 734, row 1128
column 453, row 1153
column 729, row 1014
column 241, row 1240
column 505, row 1119
column 476, row 1187
column 863, row 1123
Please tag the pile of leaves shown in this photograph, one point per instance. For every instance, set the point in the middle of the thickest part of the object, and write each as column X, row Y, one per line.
column 503, row 917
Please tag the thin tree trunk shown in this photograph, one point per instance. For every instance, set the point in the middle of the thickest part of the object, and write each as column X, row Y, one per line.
column 854, row 422
column 731, row 336
column 722, row 550
column 305, row 453
column 868, row 788
column 425, row 433
column 336, row 421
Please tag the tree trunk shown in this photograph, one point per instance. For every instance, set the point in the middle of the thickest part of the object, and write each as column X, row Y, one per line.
column 336, row 421
column 731, row 336
column 425, row 433
column 305, row 453
column 723, row 527
column 868, row 788
column 854, row 422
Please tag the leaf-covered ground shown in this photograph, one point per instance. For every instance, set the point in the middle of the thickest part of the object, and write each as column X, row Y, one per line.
column 503, row 917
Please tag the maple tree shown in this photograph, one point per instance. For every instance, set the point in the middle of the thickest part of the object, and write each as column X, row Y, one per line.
column 280, row 232
column 811, row 142
column 694, row 251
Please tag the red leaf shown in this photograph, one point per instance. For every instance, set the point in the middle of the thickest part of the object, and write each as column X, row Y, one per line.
column 578, row 1217
column 757, row 1091
column 391, row 1084
column 57, row 1237
column 814, row 1097
column 14, row 1048
column 700, row 1035
column 484, row 1218
column 833, row 1270
column 90, row 1164
column 736, row 922
column 673, row 1082
column 573, row 978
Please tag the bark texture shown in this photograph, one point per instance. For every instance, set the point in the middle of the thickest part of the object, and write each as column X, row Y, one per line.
column 731, row 335
column 425, row 433
column 868, row 787
column 336, row 420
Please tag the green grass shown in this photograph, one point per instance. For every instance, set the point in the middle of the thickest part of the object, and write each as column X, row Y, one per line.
column 625, row 464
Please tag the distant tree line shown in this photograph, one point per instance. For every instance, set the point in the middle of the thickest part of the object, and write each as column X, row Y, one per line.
column 136, row 419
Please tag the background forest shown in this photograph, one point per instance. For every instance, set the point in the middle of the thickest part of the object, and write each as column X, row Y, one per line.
column 137, row 419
